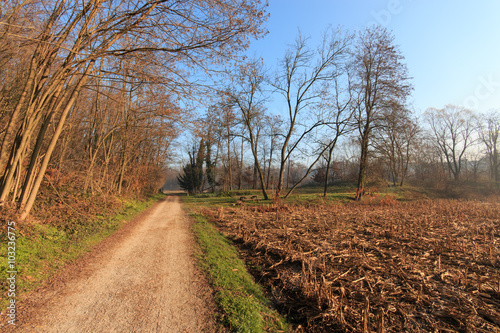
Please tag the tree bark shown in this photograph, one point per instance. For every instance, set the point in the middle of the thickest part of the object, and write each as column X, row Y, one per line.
column 46, row 159
column 363, row 165
column 327, row 175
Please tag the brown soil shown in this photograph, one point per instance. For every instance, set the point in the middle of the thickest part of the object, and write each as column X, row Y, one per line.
column 141, row 279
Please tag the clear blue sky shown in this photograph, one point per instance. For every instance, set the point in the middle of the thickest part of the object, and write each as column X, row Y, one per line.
column 452, row 48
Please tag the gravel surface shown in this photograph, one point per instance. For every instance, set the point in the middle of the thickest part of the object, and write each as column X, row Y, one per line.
column 141, row 279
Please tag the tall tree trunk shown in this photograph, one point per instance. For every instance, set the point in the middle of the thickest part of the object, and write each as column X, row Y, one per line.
column 18, row 151
column 254, row 177
column 230, row 173
column 17, row 182
column 121, row 174
column 327, row 175
column 9, row 132
column 363, row 166
column 46, row 159
column 240, row 179
column 269, row 165
column 64, row 147
column 259, row 172
column 30, row 174
column 107, row 158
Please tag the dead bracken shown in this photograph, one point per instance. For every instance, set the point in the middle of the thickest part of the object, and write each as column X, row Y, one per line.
column 423, row 266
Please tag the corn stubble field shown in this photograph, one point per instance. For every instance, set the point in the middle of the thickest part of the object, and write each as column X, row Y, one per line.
column 423, row 266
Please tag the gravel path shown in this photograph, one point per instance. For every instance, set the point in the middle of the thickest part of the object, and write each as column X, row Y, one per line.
column 142, row 279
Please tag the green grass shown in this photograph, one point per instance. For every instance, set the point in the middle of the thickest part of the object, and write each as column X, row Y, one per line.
column 318, row 189
column 346, row 192
column 317, row 198
column 41, row 249
column 243, row 305
column 307, row 195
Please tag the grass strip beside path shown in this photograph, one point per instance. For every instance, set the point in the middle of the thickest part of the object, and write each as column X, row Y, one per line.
column 242, row 302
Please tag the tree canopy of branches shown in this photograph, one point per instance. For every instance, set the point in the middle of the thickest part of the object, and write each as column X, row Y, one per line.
column 452, row 129
column 489, row 135
column 247, row 97
column 302, row 81
column 351, row 84
column 395, row 140
column 380, row 81
column 57, row 50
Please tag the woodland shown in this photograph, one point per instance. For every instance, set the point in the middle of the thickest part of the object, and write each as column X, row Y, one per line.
column 93, row 93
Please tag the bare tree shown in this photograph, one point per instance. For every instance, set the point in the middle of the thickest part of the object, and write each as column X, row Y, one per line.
column 395, row 140
column 247, row 96
column 452, row 130
column 489, row 134
column 273, row 132
column 339, row 121
column 380, row 79
column 303, row 81
column 69, row 39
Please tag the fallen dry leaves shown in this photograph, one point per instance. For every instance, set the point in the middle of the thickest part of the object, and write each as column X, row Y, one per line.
column 425, row 266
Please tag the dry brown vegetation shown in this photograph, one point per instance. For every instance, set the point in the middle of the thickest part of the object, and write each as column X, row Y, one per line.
column 424, row 266
column 102, row 88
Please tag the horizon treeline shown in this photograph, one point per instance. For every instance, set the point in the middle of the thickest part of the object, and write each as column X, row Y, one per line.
column 346, row 118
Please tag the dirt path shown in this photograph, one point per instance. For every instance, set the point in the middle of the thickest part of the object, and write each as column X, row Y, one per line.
column 144, row 280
